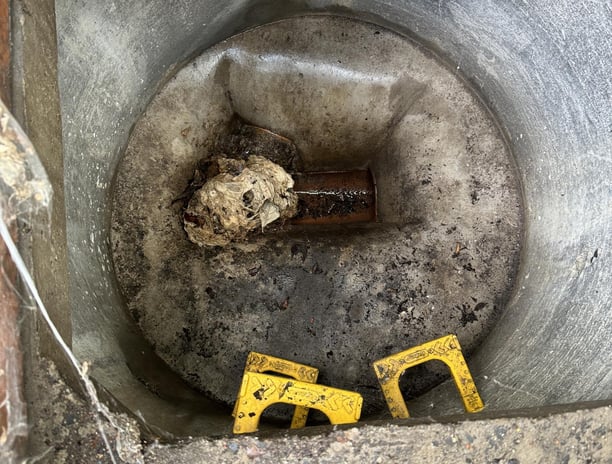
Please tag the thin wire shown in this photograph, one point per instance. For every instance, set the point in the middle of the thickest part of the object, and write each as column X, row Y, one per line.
column 31, row 286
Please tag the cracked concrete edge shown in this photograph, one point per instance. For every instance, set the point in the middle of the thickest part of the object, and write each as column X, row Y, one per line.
column 569, row 437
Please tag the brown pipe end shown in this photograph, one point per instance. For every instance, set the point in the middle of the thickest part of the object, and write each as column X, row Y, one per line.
column 344, row 197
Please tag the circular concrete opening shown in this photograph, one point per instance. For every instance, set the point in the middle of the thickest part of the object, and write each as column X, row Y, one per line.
column 442, row 257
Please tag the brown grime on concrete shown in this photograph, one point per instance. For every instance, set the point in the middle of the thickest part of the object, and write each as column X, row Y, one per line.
column 335, row 298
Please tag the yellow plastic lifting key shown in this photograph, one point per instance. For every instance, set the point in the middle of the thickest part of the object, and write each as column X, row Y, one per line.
column 257, row 362
column 258, row 391
column 445, row 349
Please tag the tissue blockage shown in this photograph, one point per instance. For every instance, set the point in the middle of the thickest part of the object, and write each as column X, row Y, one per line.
column 248, row 187
column 243, row 197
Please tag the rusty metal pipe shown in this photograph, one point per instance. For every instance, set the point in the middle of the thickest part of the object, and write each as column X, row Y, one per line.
column 332, row 197
column 335, row 197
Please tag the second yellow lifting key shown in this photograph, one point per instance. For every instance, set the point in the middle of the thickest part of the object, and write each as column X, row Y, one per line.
column 258, row 391
column 445, row 349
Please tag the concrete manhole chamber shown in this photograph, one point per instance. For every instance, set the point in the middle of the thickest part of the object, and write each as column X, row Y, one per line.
column 487, row 129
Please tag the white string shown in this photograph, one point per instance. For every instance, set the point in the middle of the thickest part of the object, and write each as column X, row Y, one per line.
column 82, row 370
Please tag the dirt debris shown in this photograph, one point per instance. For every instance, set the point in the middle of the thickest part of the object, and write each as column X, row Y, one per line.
column 574, row 437
column 63, row 428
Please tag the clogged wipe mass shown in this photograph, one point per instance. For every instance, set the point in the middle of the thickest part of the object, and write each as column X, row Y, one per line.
column 244, row 196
